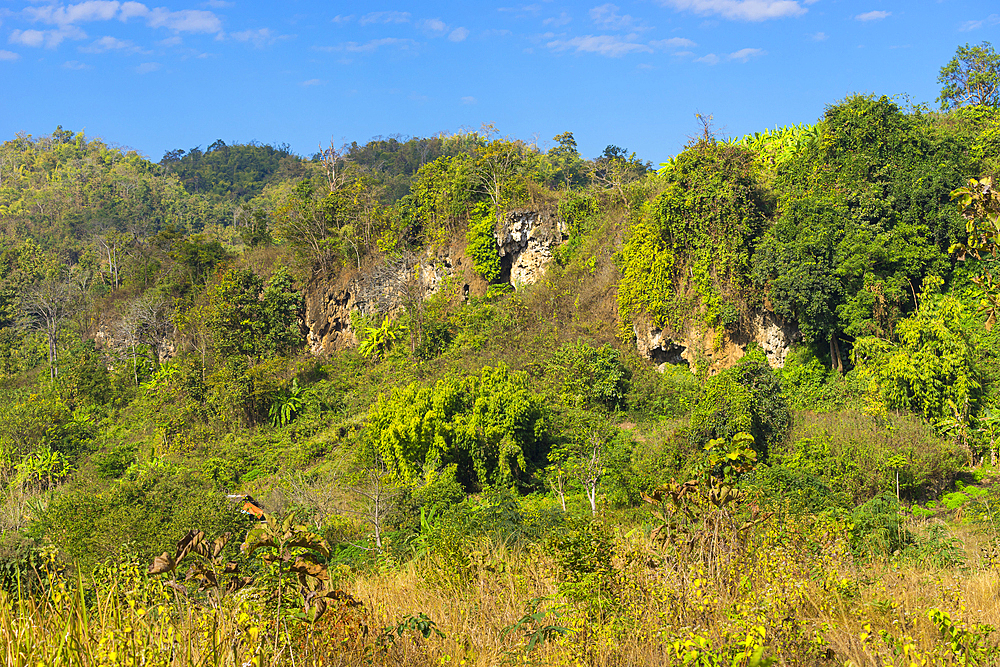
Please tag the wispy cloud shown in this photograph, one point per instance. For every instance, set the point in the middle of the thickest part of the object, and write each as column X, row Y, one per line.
column 384, row 17
column 373, row 45
column 91, row 10
column 259, row 38
column 432, row 25
column 672, row 43
column 469, row 100
column 744, row 55
column 819, row 37
column 606, row 16
column 343, row 19
column 991, row 20
column 50, row 39
column 9, row 55
column 613, row 46
column 458, row 34
column 311, row 82
column 146, row 68
column 872, row 16
column 105, row 44
column 741, row 10
column 75, row 64
column 557, row 21
column 185, row 20
column 218, row 4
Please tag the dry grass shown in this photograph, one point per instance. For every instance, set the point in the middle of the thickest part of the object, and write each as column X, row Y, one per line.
column 791, row 587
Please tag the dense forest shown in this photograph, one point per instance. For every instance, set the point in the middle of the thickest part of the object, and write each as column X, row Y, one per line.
column 595, row 457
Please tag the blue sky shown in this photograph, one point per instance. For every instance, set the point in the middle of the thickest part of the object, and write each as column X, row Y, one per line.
column 182, row 74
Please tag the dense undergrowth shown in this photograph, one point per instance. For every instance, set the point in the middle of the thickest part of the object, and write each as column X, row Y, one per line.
column 495, row 476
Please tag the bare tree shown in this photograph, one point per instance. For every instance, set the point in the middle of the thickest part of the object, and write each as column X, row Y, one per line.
column 45, row 308
column 376, row 498
column 145, row 321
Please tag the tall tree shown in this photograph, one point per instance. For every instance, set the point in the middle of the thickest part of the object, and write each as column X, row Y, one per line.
column 971, row 78
column 45, row 308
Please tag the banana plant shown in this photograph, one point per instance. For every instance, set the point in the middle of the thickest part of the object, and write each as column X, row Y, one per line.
column 293, row 549
column 208, row 569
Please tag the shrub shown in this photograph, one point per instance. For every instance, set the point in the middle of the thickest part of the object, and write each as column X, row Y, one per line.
column 746, row 398
column 878, row 528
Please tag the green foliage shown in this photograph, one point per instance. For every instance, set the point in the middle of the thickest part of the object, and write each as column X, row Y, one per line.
column 252, row 318
column 862, row 220
column 489, row 425
column 589, row 376
column 858, row 456
column 971, row 78
column 699, row 232
column 235, row 171
column 482, row 243
column 746, row 398
column 877, row 528
column 380, row 340
column 932, row 365
column 151, row 505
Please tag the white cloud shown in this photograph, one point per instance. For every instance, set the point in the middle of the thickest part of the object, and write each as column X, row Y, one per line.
column 185, row 20
column 311, row 82
column 607, row 17
column 872, row 16
column 133, row 9
column 991, row 20
column 176, row 40
column 217, row 4
column 49, row 38
column 343, row 19
column 432, row 25
column 612, row 46
column 741, row 10
column 556, row 21
column 710, row 59
column 258, row 38
column 384, row 17
column 468, row 99
column 146, row 68
column 109, row 44
column 744, row 55
column 373, row 45
column 75, row 64
column 672, row 43
column 819, row 37
column 91, row 10
column 458, row 34
column 27, row 37
column 8, row 55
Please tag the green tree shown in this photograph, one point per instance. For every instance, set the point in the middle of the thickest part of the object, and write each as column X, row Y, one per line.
column 971, row 78
column 488, row 425
column 746, row 398
column 929, row 368
column 252, row 318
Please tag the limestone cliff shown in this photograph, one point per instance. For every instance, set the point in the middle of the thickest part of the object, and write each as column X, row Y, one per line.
column 698, row 343
column 525, row 241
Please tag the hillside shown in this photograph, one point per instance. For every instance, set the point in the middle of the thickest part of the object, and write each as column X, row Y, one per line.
column 505, row 405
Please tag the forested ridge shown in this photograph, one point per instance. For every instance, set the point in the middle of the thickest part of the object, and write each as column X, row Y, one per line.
column 497, row 471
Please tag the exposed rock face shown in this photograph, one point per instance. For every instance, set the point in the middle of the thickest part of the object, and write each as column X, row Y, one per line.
column 526, row 239
column 698, row 344
column 381, row 289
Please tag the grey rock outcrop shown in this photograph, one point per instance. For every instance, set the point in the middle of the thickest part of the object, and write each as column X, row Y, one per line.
column 697, row 343
column 526, row 239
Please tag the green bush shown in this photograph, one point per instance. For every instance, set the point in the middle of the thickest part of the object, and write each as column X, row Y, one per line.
column 877, row 528
column 746, row 398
